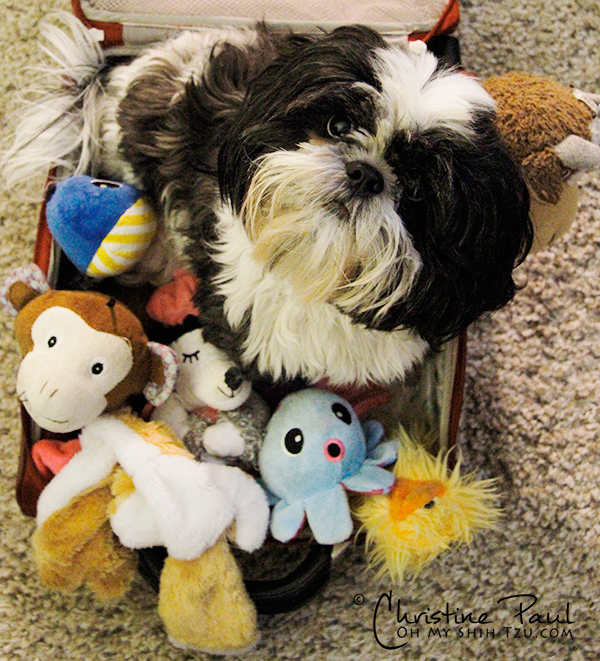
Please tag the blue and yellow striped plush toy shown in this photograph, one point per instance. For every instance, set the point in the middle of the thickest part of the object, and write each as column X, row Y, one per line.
column 103, row 227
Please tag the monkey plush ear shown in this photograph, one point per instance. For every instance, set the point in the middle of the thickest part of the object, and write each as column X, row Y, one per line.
column 22, row 285
column 163, row 373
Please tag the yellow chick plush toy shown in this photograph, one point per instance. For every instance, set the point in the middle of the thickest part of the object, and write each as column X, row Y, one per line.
column 429, row 509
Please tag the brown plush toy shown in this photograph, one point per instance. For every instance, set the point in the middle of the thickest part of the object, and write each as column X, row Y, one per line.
column 132, row 484
column 547, row 127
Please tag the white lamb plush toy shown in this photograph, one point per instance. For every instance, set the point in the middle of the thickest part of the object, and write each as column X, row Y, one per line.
column 213, row 408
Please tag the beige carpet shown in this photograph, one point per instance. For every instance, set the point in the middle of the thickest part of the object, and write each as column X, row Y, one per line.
column 531, row 418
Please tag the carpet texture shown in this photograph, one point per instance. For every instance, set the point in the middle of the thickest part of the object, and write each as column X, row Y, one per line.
column 531, row 418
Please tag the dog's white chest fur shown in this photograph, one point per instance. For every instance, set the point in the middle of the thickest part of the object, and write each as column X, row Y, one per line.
column 290, row 337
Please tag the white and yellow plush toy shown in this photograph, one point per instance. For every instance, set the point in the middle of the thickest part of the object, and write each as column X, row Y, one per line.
column 84, row 355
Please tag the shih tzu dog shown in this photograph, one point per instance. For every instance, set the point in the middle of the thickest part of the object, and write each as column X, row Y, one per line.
column 346, row 203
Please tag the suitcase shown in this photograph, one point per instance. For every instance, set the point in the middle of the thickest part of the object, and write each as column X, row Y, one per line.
column 128, row 25
column 431, row 397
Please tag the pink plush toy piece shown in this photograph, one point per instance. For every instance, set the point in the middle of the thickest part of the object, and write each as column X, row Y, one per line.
column 51, row 456
column 173, row 302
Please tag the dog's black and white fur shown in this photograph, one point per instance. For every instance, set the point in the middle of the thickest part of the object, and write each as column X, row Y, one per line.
column 345, row 202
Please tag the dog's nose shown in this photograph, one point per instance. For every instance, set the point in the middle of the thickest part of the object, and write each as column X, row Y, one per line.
column 365, row 179
column 233, row 378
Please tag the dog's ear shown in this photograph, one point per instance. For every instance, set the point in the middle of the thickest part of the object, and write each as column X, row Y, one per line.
column 470, row 224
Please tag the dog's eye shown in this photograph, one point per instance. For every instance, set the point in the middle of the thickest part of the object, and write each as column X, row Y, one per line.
column 414, row 192
column 339, row 126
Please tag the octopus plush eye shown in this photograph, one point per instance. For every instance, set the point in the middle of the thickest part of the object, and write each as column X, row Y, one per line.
column 294, row 441
column 342, row 413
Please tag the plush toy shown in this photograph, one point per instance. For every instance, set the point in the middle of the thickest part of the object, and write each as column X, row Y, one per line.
column 104, row 227
column 315, row 448
column 171, row 303
column 84, row 354
column 548, row 128
column 429, row 509
column 213, row 407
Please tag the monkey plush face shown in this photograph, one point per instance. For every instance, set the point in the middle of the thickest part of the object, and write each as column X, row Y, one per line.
column 65, row 378
column 84, row 353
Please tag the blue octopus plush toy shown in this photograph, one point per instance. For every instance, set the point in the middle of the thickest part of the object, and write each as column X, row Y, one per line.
column 315, row 449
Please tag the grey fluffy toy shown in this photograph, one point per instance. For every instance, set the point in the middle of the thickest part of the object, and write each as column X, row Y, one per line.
column 249, row 420
column 213, row 408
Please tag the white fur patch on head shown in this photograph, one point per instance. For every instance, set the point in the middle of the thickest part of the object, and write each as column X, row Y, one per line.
column 416, row 96
column 332, row 247
column 63, row 380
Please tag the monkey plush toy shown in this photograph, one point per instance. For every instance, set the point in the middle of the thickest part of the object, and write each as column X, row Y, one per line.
column 551, row 132
column 84, row 355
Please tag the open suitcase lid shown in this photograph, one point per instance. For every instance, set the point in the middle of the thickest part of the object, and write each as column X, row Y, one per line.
column 128, row 24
